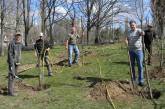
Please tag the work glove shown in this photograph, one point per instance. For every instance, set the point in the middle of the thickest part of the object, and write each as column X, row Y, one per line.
column 17, row 63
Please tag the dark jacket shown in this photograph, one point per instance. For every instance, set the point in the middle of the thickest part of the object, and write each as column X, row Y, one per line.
column 72, row 38
column 14, row 52
column 149, row 36
column 40, row 47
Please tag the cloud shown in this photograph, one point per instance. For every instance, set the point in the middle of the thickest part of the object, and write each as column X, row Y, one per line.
column 61, row 10
column 70, row 1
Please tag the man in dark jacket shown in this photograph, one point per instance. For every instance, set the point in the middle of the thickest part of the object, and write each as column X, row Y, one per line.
column 42, row 48
column 148, row 39
column 14, row 57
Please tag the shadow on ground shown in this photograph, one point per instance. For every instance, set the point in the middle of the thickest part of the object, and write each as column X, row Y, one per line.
column 3, row 90
column 121, row 63
column 93, row 80
column 28, row 76
column 62, row 63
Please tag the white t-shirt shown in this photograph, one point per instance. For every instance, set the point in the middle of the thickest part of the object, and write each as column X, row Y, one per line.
column 135, row 39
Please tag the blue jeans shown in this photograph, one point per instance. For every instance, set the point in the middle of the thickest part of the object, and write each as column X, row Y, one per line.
column 71, row 48
column 138, row 56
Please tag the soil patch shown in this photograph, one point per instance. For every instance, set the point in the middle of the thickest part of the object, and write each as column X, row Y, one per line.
column 157, row 73
column 119, row 90
column 31, row 90
column 62, row 62
column 88, row 53
column 25, row 67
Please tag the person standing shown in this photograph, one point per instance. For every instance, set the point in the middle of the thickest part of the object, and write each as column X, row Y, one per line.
column 14, row 58
column 72, row 47
column 148, row 39
column 134, row 42
column 42, row 48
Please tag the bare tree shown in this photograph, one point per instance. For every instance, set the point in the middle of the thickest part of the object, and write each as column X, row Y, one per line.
column 26, row 18
column 50, row 15
column 55, row 16
column 139, row 4
column 98, row 13
column 158, row 8
column 2, row 3
column 87, row 8
column 17, row 15
column 105, row 11
column 43, row 15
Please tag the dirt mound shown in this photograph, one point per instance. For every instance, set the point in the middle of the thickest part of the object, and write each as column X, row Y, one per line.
column 119, row 90
column 157, row 73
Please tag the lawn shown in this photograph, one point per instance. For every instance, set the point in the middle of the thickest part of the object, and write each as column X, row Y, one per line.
column 65, row 91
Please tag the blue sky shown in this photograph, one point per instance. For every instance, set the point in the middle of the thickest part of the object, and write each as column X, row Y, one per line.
column 120, row 18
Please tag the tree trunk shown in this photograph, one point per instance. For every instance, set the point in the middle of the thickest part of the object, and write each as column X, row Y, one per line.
column 17, row 16
column 26, row 36
column 2, row 27
column 43, row 12
column 26, row 16
column 97, row 35
column 51, row 35
column 88, row 30
column 2, row 50
column 162, row 46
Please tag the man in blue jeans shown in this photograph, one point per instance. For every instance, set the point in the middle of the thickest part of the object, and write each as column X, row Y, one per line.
column 134, row 42
column 72, row 47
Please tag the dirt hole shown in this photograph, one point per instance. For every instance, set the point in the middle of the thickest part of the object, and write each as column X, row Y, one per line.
column 156, row 94
column 3, row 90
column 24, row 86
column 62, row 62
column 120, row 90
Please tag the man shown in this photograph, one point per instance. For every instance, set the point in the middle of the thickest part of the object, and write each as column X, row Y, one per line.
column 134, row 42
column 148, row 39
column 42, row 48
column 14, row 57
column 72, row 46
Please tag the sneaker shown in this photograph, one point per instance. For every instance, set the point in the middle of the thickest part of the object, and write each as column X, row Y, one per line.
column 74, row 62
column 70, row 65
column 50, row 74
column 12, row 94
column 141, row 84
column 37, row 65
column 148, row 63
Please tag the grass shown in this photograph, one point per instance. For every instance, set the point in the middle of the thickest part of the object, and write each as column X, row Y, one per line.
column 65, row 92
